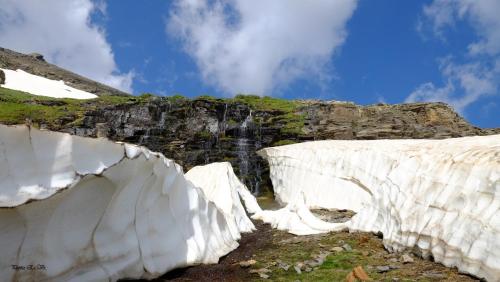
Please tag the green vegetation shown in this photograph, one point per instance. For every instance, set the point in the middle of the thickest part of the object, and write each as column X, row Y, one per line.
column 205, row 134
column 266, row 103
column 16, row 107
column 284, row 142
column 288, row 116
column 367, row 252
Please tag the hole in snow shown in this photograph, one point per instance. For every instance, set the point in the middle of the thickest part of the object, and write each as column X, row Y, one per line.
column 333, row 215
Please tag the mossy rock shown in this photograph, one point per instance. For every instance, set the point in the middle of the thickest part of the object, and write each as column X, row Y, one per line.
column 2, row 77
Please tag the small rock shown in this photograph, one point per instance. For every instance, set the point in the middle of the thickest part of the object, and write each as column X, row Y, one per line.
column 365, row 253
column 337, row 249
column 247, row 263
column 383, row 268
column 433, row 274
column 297, row 269
column 260, row 270
column 406, row 258
column 347, row 247
column 37, row 56
column 283, row 265
column 395, row 279
column 393, row 260
column 263, row 276
column 2, row 77
column 308, row 269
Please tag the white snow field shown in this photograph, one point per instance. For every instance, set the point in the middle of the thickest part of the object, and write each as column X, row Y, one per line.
column 41, row 86
column 93, row 210
column 222, row 186
column 440, row 195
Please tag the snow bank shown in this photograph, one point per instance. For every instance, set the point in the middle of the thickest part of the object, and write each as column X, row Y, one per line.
column 440, row 195
column 41, row 86
column 89, row 209
column 221, row 186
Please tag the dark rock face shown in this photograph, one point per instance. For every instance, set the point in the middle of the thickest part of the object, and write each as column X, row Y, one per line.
column 38, row 56
column 201, row 131
column 2, row 77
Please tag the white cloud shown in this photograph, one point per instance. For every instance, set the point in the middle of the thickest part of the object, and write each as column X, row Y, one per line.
column 257, row 46
column 482, row 14
column 63, row 32
column 479, row 76
column 474, row 80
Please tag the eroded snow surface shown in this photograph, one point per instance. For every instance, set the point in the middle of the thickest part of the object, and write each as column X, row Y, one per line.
column 442, row 196
column 91, row 210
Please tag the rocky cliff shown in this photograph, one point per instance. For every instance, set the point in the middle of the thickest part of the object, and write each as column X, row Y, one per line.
column 206, row 130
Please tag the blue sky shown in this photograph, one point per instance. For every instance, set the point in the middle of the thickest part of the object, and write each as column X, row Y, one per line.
column 364, row 51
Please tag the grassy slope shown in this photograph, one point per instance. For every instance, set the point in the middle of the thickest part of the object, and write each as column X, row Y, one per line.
column 16, row 107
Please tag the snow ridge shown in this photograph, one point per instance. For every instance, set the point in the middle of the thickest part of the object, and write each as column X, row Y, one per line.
column 442, row 196
column 90, row 209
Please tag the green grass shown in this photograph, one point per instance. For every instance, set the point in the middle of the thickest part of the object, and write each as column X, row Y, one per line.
column 16, row 107
column 284, row 142
column 266, row 103
column 292, row 121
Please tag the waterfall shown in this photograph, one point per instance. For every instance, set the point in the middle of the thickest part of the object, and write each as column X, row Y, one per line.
column 243, row 147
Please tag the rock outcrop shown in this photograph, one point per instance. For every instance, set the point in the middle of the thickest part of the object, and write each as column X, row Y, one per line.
column 201, row 131
column 441, row 196
column 2, row 77
column 74, row 208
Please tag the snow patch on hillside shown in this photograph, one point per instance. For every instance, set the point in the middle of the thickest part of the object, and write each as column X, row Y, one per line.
column 41, row 86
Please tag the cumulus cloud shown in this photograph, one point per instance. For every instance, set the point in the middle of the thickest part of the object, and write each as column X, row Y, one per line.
column 63, row 32
column 474, row 80
column 481, row 14
column 479, row 76
column 257, row 46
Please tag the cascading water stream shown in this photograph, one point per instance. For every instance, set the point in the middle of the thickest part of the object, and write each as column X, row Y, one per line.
column 243, row 145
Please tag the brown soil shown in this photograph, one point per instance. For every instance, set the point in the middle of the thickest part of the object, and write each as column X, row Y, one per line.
column 228, row 268
column 272, row 248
